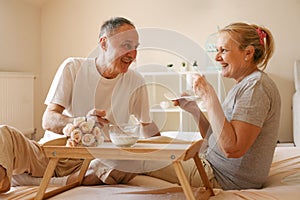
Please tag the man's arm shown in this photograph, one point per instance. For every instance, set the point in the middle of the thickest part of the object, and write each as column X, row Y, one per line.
column 53, row 119
column 149, row 130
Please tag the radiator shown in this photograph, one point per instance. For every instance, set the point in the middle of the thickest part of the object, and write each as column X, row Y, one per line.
column 17, row 101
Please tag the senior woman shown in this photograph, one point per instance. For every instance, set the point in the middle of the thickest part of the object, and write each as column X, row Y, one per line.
column 242, row 132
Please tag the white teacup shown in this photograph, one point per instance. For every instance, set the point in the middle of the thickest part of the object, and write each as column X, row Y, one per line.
column 164, row 104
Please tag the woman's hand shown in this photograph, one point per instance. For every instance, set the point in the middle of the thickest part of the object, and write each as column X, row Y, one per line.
column 188, row 106
column 194, row 110
column 205, row 91
column 99, row 115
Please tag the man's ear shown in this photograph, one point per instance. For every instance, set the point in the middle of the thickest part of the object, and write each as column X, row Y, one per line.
column 103, row 42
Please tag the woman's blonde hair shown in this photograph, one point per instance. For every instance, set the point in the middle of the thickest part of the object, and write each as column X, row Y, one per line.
column 250, row 34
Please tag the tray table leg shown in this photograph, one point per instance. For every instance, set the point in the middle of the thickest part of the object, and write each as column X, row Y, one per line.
column 83, row 170
column 183, row 180
column 41, row 192
column 203, row 175
column 47, row 176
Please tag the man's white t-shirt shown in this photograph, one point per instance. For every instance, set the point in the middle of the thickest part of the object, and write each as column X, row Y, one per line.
column 79, row 87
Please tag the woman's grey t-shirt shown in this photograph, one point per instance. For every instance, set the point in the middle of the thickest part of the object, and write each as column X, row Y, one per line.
column 254, row 100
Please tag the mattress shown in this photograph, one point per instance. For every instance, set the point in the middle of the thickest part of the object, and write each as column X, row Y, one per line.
column 283, row 183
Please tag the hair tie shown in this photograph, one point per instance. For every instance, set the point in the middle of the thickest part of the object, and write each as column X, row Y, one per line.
column 262, row 35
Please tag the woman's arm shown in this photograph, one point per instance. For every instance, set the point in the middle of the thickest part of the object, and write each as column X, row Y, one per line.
column 194, row 110
column 233, row 137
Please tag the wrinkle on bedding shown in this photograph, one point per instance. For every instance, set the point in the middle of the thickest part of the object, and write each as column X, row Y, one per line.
column 292, row 179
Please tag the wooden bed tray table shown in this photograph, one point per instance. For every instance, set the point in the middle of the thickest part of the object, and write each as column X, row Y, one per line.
column 176, row 152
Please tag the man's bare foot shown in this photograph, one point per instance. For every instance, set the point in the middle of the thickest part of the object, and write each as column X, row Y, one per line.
column 4, row 181
column 89, row 179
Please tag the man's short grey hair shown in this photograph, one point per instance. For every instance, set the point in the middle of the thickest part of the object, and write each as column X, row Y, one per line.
column 112, row 25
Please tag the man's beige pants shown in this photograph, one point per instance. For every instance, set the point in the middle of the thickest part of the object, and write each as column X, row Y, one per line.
column 20, row 155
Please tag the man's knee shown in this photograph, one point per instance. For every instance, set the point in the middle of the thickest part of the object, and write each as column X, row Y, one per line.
column 7, row 132
column 4, row 130
column 4, row 180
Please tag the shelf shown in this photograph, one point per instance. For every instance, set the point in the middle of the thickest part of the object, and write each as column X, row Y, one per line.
column 165, row 110
column 171, row 110
column 160, row 82
column 172, row 73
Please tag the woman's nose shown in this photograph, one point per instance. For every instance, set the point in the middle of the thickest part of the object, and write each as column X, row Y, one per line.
column 218, row 57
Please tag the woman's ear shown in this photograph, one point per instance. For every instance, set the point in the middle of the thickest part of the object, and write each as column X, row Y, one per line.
column 249, row 52
column 103, row 42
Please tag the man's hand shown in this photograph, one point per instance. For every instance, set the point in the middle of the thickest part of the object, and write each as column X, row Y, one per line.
column 149, row 130
column 99, row 115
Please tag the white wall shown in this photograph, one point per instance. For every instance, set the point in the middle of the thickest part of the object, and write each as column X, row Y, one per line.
column 20, row 42
column 70, row 28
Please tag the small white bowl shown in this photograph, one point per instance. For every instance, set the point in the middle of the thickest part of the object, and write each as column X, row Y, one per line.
column 164, row 104
column 125, row 135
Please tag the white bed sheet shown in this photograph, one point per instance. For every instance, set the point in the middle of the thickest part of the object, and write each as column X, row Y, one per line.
column 283, row 183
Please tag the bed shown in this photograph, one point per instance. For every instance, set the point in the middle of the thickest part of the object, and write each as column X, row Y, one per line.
column 283, row 181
